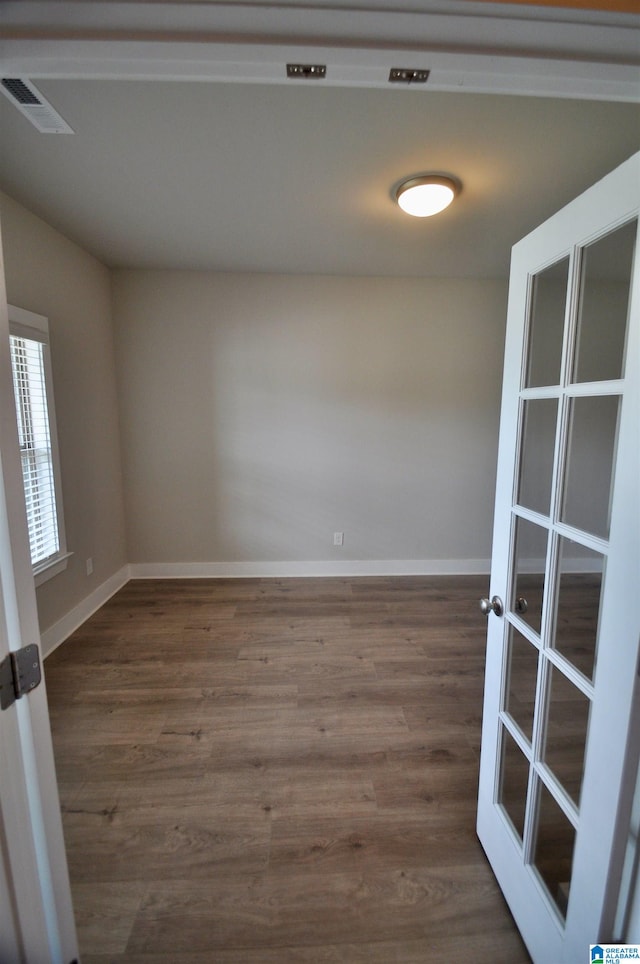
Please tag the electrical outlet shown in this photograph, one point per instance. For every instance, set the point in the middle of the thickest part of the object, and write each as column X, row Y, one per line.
column 89, row 566
column 338, row 538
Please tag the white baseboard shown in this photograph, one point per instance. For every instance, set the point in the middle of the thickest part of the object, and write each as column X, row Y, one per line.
column 56, row 634
column 282, row 570
column 51, row 638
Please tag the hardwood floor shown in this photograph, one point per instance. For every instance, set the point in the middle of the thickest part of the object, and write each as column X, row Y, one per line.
column 278, row 771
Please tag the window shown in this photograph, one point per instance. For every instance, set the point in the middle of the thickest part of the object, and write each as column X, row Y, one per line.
column 30, row 362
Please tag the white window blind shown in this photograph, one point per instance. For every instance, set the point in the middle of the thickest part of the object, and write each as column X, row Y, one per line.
column 35, row 447
column 37, row 438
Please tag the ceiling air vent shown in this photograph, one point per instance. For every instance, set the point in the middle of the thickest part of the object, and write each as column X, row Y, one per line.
column 34, row 106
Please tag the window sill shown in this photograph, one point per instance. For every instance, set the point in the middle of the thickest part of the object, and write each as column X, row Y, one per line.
column 47, row 570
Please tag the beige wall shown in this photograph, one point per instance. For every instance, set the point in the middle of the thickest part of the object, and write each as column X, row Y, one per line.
column 262, row 413
column 259, row 414
column 50, row 275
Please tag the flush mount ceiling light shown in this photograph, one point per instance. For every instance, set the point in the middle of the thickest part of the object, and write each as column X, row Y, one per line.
column 426, row 194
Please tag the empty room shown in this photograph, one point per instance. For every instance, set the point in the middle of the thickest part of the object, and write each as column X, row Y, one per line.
column 320, row 515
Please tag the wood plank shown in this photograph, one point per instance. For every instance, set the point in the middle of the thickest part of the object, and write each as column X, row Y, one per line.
column 312, row 910
column 261, row 770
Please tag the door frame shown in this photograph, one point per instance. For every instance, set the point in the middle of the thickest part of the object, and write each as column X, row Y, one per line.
column 577, row 53
column 37, row 916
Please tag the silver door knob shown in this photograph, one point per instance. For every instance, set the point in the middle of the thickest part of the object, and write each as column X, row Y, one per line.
column 493, row 605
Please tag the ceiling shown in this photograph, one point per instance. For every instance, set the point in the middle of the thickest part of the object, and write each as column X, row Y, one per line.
column 285, row 179
column 297, row 177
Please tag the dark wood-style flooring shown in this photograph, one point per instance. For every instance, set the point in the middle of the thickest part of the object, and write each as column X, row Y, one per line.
column 278, row 771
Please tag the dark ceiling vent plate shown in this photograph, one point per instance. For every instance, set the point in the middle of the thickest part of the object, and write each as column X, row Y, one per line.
column 36, row 108
column 307, row 71
column 404, row 75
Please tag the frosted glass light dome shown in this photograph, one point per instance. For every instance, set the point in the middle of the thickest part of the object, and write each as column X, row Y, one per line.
column 426, row 195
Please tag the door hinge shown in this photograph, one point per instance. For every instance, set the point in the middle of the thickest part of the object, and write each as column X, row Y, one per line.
column 19, row 674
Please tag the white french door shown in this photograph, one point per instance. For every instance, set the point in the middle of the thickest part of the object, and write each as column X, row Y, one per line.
column 560, row 734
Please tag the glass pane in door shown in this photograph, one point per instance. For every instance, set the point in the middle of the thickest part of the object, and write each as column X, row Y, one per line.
column 530, row 554
column 514, row 781
column 521, row 679
column 593, row 431
column 546, row 325
column 566, row 732
column 538, row 435
column 580, row 579
column 604, row 308
column 555, row 841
